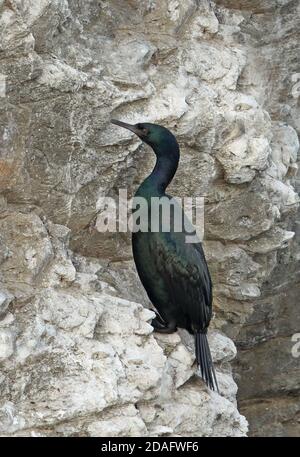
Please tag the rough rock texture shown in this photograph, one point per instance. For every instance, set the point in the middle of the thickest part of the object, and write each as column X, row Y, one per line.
column 78, row 360
column 78, row 356
column 268, row 372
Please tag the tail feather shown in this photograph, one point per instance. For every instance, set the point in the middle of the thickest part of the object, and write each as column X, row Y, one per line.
column 204, row 360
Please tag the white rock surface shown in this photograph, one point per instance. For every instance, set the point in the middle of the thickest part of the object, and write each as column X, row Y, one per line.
column 76, row 361
column 78, row 356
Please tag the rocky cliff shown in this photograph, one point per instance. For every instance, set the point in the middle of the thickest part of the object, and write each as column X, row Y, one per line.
column 77, row 353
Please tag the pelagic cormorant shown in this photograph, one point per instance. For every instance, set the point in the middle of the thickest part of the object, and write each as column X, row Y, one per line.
column 173, row 272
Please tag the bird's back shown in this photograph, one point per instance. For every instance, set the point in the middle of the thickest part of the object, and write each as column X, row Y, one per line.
column 174, row 272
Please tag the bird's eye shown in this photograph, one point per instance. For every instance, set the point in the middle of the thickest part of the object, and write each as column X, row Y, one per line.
column 143, row 129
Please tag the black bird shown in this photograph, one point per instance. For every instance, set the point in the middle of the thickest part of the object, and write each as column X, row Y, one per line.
column 173, row 272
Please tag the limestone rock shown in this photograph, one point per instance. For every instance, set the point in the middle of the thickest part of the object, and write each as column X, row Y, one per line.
column 77, row 352
column 5, row 300
column 6, row 343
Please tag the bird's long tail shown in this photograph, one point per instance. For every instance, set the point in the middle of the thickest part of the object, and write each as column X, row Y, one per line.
column 204, row 360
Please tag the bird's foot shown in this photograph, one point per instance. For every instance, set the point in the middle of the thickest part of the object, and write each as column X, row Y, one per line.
column 161, row 327
column 166, row 329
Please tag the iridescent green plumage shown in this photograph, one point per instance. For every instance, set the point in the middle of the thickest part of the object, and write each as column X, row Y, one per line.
column 173, row 272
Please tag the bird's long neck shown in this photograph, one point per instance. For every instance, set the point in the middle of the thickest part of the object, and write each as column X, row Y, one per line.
column 167, row 158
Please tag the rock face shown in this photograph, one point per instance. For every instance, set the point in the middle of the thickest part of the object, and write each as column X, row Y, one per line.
column 78, row 360
column 77, row 352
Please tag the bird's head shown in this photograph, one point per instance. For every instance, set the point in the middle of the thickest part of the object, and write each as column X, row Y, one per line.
column 155, row 135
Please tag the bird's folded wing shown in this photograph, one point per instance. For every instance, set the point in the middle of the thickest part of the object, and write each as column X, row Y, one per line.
column 183, row 268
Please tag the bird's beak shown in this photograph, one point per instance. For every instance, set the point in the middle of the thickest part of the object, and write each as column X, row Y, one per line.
column 131, row 127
